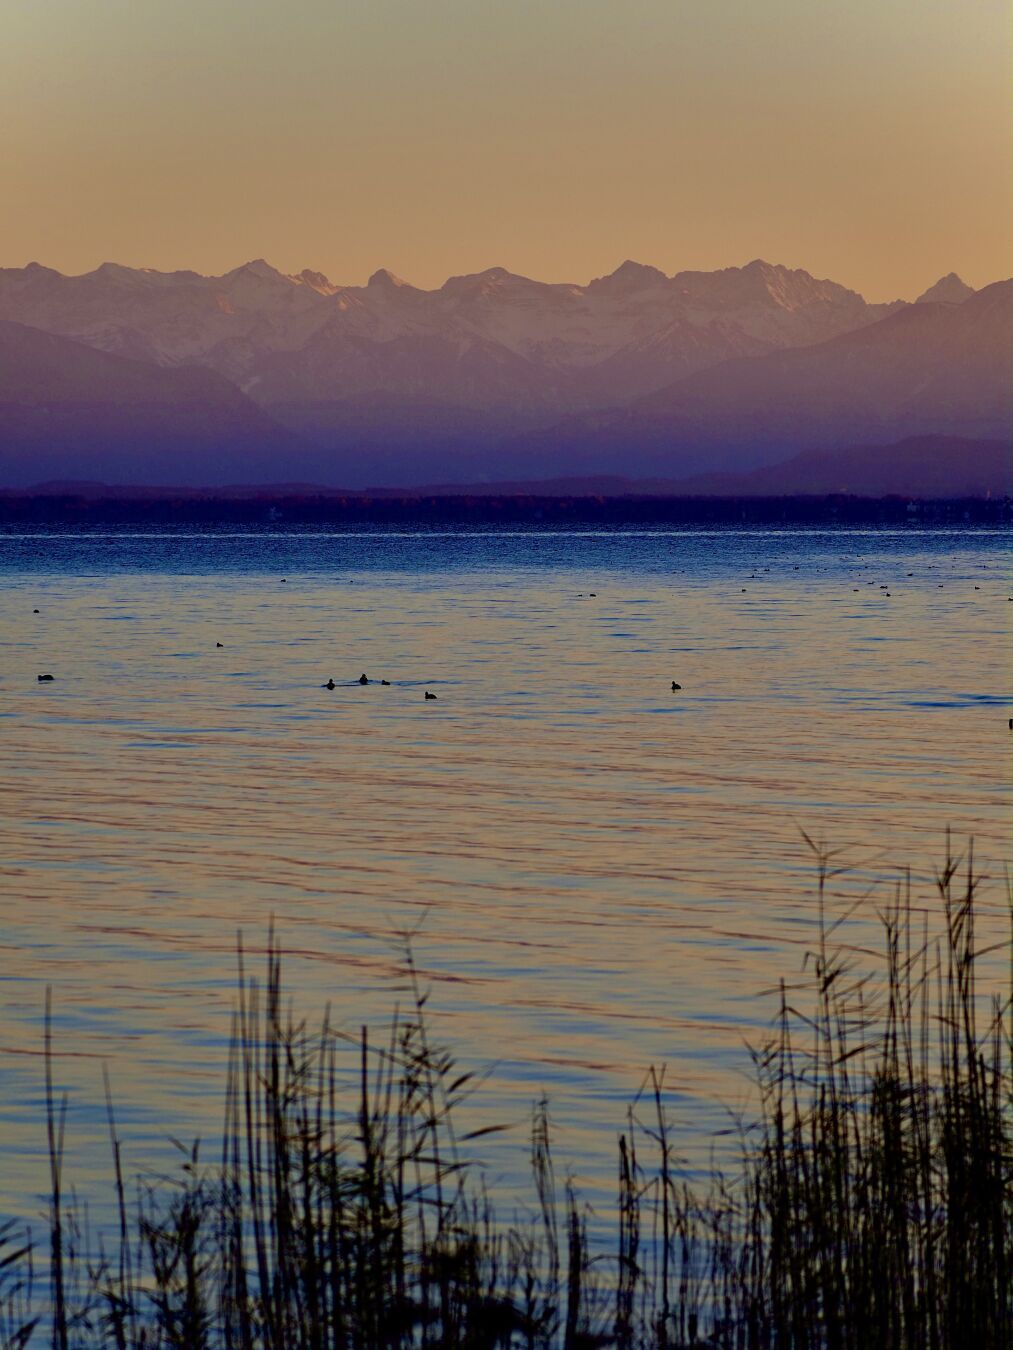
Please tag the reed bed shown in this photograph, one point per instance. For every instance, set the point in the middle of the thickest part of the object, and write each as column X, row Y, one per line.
column 871, row 1205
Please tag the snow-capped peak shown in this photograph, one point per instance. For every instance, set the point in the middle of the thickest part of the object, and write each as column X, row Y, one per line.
column 948, row 290
column 383, row 278
column 316, row 281
column 629, row 277
column 258, row 268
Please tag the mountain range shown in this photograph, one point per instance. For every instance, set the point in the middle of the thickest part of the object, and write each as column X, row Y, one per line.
column 134, row 375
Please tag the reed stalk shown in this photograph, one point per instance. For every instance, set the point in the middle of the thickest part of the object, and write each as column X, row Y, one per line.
column 872, row 1205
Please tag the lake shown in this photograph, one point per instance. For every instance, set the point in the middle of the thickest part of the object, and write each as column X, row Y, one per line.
column 600, row 872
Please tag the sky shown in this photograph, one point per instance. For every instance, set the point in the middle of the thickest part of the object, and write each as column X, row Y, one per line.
column 867, row 140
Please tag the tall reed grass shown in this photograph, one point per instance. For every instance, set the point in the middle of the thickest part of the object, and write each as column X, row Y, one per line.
column 872, row 1206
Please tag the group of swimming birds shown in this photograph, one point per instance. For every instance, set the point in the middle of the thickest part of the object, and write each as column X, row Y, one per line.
column 364, row 679
column 332, row 684
column 431, row 697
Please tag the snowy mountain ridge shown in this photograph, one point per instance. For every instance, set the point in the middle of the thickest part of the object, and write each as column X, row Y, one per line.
column 234, row 321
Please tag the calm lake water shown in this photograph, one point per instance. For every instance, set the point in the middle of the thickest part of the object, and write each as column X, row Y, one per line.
column 603, row 873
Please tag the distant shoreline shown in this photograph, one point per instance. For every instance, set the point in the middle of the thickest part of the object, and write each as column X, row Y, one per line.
column 94, row 503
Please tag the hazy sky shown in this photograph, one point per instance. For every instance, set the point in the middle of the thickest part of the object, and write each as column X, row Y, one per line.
column 866, row 140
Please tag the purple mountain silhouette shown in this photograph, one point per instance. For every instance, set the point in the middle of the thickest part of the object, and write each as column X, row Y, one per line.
column 66, row 409
column 256, row 376
column 931, row 368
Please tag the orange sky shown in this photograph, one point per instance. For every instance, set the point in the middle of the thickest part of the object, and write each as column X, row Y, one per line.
column 866, row 141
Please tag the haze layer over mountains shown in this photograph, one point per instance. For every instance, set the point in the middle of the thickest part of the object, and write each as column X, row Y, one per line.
column 135, row 376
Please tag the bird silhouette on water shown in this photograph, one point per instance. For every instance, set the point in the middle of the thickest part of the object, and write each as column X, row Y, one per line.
column 329, row 685
column 44, row 679
column 364, row 679
column 676, row 686
column 429, row 695
column 219, row 644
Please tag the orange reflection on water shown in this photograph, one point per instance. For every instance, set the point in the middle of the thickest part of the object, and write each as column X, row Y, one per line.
column 604, row 872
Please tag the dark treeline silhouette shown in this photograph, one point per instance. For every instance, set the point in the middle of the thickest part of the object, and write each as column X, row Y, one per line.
column 281, row 508
column 872, row 1206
